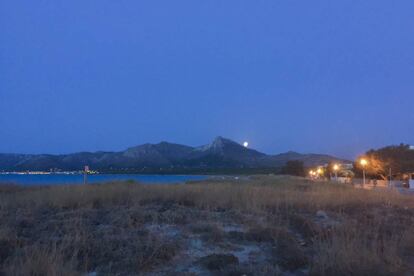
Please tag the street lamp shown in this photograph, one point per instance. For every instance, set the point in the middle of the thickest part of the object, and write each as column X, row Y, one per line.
column 336, row 169
column 311, row 173
column 363, row 163
column 319, row 172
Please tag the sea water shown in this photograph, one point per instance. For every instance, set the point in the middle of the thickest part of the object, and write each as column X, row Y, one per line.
column 59, row 179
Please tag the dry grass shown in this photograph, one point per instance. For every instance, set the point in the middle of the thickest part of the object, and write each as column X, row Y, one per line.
column 260, row 194
column 67, row 230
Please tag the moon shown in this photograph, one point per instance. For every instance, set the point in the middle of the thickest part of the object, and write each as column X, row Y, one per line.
column 246, row 144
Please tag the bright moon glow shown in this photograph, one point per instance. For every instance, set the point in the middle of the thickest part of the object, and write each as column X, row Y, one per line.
column 246, row 144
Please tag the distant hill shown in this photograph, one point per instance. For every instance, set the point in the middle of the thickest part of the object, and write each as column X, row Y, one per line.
column 221, row 155
column 309, row 160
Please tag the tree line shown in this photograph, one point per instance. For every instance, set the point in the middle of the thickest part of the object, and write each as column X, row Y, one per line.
column 397, row 160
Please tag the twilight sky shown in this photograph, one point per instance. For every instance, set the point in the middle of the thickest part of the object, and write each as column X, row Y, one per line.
column 327, row 76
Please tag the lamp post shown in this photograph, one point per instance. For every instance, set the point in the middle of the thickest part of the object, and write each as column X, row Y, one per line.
column 311, row 173
column 85, row 175
column 390, row 176
column 319, row 172
column 336, row 169
column 363, row 163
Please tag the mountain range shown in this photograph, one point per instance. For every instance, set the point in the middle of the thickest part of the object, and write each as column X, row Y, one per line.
column 220, row 155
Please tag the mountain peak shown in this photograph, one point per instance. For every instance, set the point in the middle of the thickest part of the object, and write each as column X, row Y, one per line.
column 219, row 143
column 291, row 153
column 221, row 140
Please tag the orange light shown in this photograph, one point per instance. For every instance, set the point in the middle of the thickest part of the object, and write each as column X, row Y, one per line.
column 336, row 167
column 364, row 162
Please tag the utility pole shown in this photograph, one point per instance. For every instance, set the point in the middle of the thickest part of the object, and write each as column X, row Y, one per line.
column 389, row 185
column 85, row 175
column 363, row 182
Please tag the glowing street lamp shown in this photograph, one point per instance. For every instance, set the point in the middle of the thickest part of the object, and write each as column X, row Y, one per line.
column 319, row 171
column 336, row 169
column 311, row 173
column 363, row 163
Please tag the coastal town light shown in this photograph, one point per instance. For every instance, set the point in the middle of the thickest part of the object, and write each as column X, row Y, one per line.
column 246, row 144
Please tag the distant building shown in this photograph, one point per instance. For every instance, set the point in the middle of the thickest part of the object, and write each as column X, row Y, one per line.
column 411, row 181
column 347, row 166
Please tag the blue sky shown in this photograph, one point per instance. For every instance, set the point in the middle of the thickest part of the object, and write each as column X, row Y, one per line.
column 311, row 76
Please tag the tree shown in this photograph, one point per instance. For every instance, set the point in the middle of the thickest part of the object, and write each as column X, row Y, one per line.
column 294, row 167
column 400, row 159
